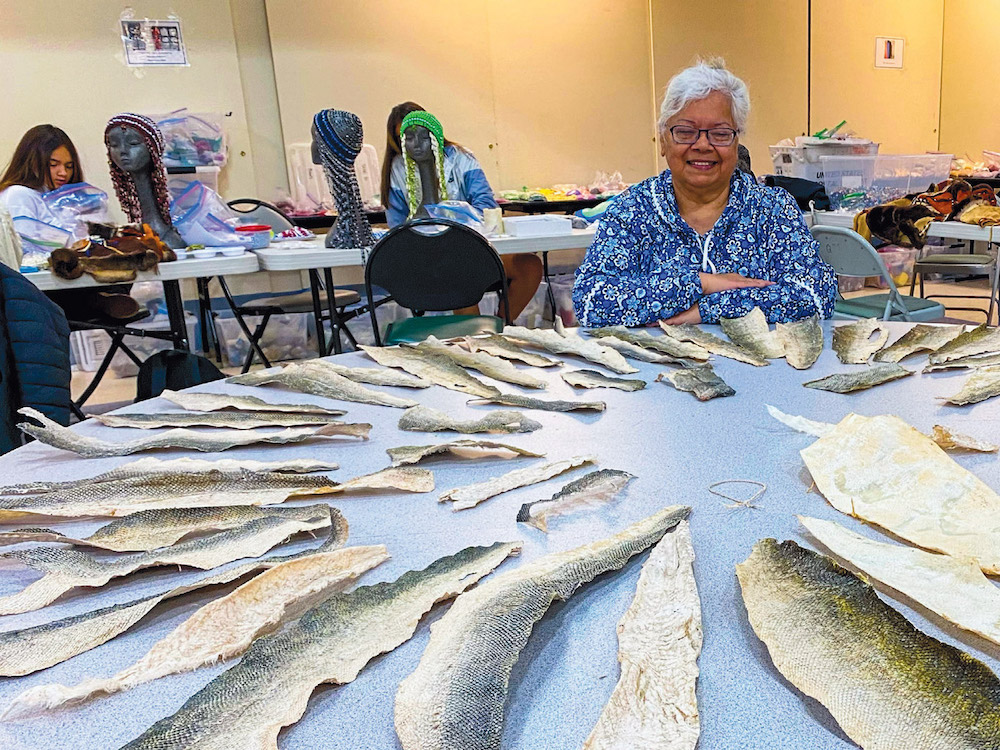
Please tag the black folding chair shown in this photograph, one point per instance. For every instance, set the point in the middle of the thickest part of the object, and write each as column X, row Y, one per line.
column 432, row 265
column 117, row 332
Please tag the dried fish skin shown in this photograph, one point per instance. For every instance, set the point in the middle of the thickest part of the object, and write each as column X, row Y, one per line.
column 921, row 337
column 32, row 649
column 634, row 351
column 752, row 333
column 407, row 479
column 982, row 384
column 956, row 441
column 595, row 379
column 886, row 683
column 803, row 341
column 951, row 587
column 150, row 529
column 973, row 362
column 220, row 630
column 370, row 375
column 715, row 345
column 425, row 419
column 853, row 343
column 553, row 341
column 980, row 340
column 140, row 491
column 66, row 569
column 430, row 366
column 702, row 381
column 654, row 704
column 469, row 496
column 241, row 420
column 466, row 449
column 498, row 346
column 665, row 344
column 859, row 381
column 593, row 489
column 455, row 697
column 188, row 465
column 247, row 705
column 487, row 364
column 219, row 401
column 529, row 402
column 801, row 424
column 325, row 383
column 54, row 434
column 866, row 464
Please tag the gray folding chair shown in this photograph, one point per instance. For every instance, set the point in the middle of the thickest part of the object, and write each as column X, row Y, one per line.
column 963, row 264
column 255, row 211
column 850, row 254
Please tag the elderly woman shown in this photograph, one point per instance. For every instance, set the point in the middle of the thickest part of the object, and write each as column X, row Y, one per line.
column 702, row 240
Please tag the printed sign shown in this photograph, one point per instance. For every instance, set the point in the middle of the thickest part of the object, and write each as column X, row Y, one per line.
column 888, row 52
column 153, row 43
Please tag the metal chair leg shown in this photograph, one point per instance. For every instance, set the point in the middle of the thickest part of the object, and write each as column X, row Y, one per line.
column 241, row 322
column 314, row 287
column 336, row 324
column 116, row 339
column 995, row 288
column 255, row 338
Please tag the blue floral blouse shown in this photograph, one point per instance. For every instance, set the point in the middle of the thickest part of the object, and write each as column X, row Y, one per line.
column 644, row 262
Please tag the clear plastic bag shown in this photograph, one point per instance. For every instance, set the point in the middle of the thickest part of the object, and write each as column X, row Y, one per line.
column 203, row 218
column 192, row 140
column 39, row 236
column 74, row 205
column 457, row 211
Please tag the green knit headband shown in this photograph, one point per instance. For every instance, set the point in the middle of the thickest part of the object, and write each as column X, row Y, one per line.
column 427, row 120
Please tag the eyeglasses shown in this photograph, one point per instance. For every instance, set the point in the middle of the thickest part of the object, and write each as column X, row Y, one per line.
column 686, row 135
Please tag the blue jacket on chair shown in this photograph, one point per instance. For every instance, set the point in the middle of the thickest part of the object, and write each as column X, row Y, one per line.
column 34, row 356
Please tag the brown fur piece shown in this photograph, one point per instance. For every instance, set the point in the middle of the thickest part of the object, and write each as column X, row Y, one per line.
column 899, row 225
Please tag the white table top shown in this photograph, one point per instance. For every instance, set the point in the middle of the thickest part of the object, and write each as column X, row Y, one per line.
column 305, row 254
column 191, row 268
column 675, row 445
column 953, row 230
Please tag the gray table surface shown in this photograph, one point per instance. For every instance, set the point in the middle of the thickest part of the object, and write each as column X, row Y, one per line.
column 675, row 445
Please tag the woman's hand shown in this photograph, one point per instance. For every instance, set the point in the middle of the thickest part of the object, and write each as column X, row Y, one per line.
column 691, row 315
column 720, row 282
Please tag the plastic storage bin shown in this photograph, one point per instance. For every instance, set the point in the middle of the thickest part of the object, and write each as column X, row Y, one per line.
column 847, row 284
column 309, row 190
column 899, row 262
column 192, row 138
column 285, row 338
column 544, row 225
column 858, row 182
column 803, row 159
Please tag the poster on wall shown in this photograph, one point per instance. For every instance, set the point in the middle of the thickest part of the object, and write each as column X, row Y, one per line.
column 153, row 43
column 888, row 52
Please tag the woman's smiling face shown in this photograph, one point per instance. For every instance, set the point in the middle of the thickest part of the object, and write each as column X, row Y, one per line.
column 700, row 165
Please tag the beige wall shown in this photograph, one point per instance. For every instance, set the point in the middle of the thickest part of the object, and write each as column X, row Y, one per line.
column 525, row 97
column 897, row 108
column 75, row 77
column 970, row 112
column 763, row 43
column 571, row 90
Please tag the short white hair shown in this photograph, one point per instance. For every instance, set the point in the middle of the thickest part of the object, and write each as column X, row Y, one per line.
column 700, row 80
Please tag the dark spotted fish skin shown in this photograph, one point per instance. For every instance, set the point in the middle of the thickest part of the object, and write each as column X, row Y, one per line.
column 886, row 683
column 848, row 382
column 247, row 705
column 702, row 381
column 456, row 696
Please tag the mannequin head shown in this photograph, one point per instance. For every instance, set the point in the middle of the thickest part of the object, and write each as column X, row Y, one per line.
column 135, row 149
column 128, row 151
column 44, row 159
column 337, row 138
column 424, row 144
column 417, row 143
